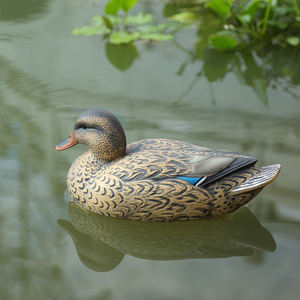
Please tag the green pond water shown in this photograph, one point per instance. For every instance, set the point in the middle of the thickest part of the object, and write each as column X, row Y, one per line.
column 244, row 101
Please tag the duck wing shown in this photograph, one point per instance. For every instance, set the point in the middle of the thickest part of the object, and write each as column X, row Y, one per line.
column 160, row 159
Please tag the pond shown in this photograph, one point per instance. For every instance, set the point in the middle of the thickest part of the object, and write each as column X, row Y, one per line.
column 245, row 101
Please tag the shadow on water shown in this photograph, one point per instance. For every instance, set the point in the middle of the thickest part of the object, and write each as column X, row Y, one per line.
column 101, row 242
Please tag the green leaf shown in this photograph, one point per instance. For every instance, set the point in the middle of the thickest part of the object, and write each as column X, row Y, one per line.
column 128, row 4
column 101, row 20
column 216, row 64
column 107, row 22
column 97, row 20
column 123, row 37
column 251, row 8
column 139, row 19
column 158, row 37
column 171, row 9
column 223, row 42
column 278, row 24
column 293, row 40
column 244, row 18
column 274, row 3
column 185, row 17
column 221, row 7
column 90, row 30
column 113, row 6
column 121, row 56
column 153, row 28
column 115, row 20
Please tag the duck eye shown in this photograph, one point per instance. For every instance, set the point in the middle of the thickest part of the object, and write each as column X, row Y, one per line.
column 80, row 126
column 90, row 126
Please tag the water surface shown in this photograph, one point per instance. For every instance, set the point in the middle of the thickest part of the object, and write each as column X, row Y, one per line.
column 242, row 101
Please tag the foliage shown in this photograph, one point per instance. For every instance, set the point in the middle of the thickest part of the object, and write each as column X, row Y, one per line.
column 240, row 22
column 121, row 56
column 124, row 29
column 246, row 22
column 221, row 7
column 113, row 6
column 259, row 68
column 223, row 41
column 224, row 25
column 259, row 45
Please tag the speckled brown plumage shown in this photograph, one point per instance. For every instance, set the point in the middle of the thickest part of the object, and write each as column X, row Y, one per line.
column 142, row 182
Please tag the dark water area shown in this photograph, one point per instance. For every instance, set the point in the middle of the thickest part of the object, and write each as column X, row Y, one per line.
column 246, row 101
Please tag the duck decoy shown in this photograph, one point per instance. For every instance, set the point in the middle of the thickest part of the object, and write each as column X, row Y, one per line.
column 157, row 179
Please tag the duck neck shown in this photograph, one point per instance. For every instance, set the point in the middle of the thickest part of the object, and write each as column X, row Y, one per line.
column 108, row 150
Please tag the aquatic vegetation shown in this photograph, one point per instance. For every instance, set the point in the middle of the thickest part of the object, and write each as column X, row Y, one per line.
column 121, row 28
column 261, row 69
column 262, row 51
column 246, row 37
column 241, row 23
column 224, row 25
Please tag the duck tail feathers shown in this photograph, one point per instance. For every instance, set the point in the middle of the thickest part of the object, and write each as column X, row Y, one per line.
column 263, row 176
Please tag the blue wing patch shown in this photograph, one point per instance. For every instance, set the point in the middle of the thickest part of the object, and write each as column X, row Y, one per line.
column 193, row 180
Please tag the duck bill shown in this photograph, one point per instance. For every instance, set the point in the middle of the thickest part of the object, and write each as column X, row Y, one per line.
column 69, row 142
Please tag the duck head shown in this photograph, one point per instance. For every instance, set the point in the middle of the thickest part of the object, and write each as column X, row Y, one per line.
column 101, row 131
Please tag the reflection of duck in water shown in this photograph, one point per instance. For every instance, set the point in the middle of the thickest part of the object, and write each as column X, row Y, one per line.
column 102, row 242
column 157, row 179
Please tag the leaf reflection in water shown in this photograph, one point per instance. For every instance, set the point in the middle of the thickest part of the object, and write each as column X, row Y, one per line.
column 101, row 242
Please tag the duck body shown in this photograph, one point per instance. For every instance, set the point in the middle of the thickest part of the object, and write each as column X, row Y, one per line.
column 157, row 179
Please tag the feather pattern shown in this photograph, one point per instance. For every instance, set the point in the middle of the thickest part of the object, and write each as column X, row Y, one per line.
column 157, row 179
column 192, row 180
column 151, row 184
